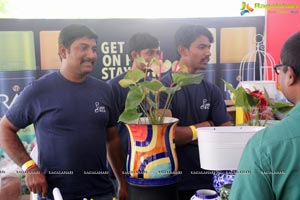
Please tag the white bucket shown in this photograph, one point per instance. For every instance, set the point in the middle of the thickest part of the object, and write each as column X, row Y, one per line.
column 220, row 148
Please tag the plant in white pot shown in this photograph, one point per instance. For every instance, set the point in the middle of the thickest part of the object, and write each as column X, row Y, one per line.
column 151, row 153
column 220, row 148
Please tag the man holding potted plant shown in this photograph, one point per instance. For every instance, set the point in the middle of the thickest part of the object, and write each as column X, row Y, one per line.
column 140, row 45
column 196, row 105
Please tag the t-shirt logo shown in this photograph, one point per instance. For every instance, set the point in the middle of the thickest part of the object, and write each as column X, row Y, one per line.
column 99, row 108
column 205, row 105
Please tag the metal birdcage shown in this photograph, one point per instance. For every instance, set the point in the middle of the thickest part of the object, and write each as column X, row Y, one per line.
column 256, row 69
column 257, row 65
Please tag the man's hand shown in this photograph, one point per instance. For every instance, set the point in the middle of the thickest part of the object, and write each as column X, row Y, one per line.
column 122, row 192
column 36, row 181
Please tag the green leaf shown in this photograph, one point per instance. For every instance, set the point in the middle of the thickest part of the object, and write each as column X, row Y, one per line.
column 129, row 115
column 281, row 107
column 126, row 83
column 266, row 95
column 183, row 79
column 134, row 75
column 241, row 95
column 230, row 87
column 172, row 90
column 141, row 60
column 167, row 65
column 243, row 99
column 252, row 101
column 153, row 85
column 134, row 98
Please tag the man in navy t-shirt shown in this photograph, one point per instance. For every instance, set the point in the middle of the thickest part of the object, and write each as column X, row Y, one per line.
column 197, row 105
column 75, row 118
column 139, row 45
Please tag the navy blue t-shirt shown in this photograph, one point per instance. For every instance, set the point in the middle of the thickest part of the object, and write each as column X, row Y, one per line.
column 120, row 94
column 191, row 105
column 70, row 121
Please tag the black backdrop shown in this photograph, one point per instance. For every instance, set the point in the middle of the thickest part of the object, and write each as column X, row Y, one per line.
column 113, row 35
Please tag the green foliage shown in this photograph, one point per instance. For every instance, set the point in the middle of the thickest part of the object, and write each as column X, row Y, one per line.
column 245, row 99
column 143, row 96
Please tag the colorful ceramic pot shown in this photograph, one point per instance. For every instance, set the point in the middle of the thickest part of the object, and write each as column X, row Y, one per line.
column 151, row 152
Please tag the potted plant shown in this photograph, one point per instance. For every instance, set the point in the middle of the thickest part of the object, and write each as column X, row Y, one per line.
column 151, row 153
column 256, row 111
column 141, row 88
column 216, row 143
column 255, row 105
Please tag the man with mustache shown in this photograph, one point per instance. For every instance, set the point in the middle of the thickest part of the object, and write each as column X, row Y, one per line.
column 198, row 105
column 75, row 119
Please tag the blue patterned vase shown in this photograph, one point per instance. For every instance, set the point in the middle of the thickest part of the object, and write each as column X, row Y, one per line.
column 221, row 178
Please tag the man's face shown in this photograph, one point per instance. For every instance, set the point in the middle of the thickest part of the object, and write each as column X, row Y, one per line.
column 147, row 54
column 198, row 54
column 81, row 56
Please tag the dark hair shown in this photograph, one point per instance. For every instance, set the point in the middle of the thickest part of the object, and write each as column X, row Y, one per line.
column 140, row 41
column 188, row 33
column 74, row 31
column 290, row 52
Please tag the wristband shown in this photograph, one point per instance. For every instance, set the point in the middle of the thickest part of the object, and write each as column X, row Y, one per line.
column 194, row 131
column 27, row 165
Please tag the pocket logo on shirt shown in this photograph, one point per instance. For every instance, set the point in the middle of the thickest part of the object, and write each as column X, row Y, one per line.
column 99, row 108
column 205, row 105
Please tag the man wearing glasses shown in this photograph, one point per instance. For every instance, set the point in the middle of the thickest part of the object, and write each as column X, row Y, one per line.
column 272, row 154
column 278, row 67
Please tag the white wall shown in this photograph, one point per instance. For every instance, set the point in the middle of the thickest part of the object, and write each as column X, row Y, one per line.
column 127, row 9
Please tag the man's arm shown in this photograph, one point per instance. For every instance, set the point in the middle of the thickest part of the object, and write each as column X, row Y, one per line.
column 184, row 134
column 12, row 145
column 114, row 155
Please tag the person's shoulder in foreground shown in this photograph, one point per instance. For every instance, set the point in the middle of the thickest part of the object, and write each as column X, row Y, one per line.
column 270, row 164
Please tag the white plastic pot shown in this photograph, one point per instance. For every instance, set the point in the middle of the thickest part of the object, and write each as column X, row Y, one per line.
column 220, row 148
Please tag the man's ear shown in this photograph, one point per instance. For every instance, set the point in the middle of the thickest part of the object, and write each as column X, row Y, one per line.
column 292, row 78
column 62, row 51
column 182, row 50
column 134, row 54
